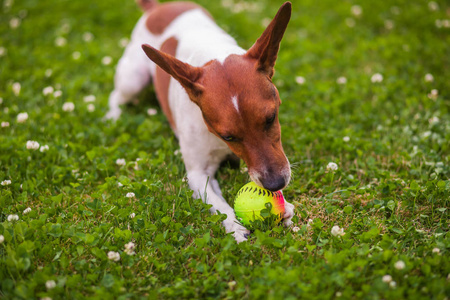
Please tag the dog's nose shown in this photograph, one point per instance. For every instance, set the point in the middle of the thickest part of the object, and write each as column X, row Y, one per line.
column 274, row 184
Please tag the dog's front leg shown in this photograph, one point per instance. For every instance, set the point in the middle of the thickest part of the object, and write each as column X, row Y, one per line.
column 288, row 214
column 204, row 185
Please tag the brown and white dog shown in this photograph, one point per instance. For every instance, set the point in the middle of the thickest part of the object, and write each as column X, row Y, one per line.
column 222, row 101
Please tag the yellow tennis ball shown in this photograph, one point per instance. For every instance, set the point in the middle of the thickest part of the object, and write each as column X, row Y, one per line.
column 251, row 199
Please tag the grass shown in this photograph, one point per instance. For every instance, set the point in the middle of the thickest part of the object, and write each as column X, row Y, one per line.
column 390, row 140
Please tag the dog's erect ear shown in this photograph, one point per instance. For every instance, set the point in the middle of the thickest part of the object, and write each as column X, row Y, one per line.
column 184, row 73
column 265, row 50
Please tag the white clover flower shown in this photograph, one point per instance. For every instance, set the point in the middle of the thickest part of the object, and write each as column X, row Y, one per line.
column 338, row 294
column 87, row 36
column 2, row 239
column 436, row 250
column 434, row 120
column 426, row 134
column 227, row 3
column 152, row 111
column 446, row 23
column 123, row 42
column 393, row 284
column 76, row 55
column 429, row 77
column 120, row 162
column 107, row 60
column 44, row 148
column 13, row 218
column 308, row 223
column 129, row 252
column 231, row 284
column 129, row 248
column 132, row 215
column 265, row 22
column 89, row 98
column 341, row 80
column 433, row 94
column 350, row 22
column 50, row 284
column 48, row 73
column 400, row 265
column 27, row 210
column 130, row 245
column 22, row 117
column 130, row 195
column 388, row 24
column 387, row 278
column 2, row 51
column 356, row 10
column 346, row 139
column 295, row 229
column 5, row 124
column 16, row 87
column 6, row 182
column 332, row 166
column 120, row 184
column 57, row 94
column 14, row 23
column 433, row 6
column 68, row 106
column 337, row 231
column 300, row 80
column 377, row 77
column 48, row 90
column 32, row 145
column 91, row 107
column 60, row 41
column 114, row 256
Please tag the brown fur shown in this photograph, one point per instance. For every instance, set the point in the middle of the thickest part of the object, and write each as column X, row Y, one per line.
column 162, row 15
column 147, row 4
column 162, row 81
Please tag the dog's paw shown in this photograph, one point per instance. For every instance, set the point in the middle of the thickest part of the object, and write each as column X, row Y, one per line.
column 240, row 232
column 113, row 114
column 288, row 214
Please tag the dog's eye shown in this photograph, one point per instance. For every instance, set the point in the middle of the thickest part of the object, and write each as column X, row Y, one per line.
column 269, row 121
column 228, row 138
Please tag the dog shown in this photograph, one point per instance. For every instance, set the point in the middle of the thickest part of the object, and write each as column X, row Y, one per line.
column 218, row 98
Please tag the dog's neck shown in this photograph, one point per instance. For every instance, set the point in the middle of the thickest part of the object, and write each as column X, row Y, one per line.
column 200, row 39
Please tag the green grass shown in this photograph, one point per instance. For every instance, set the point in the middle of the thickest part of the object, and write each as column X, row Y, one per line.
column 390, row 193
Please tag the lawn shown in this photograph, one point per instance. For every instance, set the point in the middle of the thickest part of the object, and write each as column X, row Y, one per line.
column 93, row 209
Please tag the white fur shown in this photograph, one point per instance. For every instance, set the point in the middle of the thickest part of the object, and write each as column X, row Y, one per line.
column 234, row 100
column 200, row 40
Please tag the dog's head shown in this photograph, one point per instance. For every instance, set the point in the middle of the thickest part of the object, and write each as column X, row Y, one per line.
column 240, row 103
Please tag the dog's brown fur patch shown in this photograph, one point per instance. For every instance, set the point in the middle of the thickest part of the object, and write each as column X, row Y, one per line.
column 162, row 15
column 162, row 81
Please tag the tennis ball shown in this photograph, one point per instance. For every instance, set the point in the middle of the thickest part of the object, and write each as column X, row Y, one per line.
column 251, row 199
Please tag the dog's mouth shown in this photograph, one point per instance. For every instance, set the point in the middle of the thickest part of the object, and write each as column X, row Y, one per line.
column 271, row 181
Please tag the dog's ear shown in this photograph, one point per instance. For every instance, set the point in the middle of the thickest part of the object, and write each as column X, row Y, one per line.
column 265, row 50
column 184, row 73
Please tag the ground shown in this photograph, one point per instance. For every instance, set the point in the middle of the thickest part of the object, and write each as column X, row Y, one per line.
column 364, row 85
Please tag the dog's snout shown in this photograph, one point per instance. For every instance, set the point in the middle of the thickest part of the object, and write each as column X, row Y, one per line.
column 275, row 184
